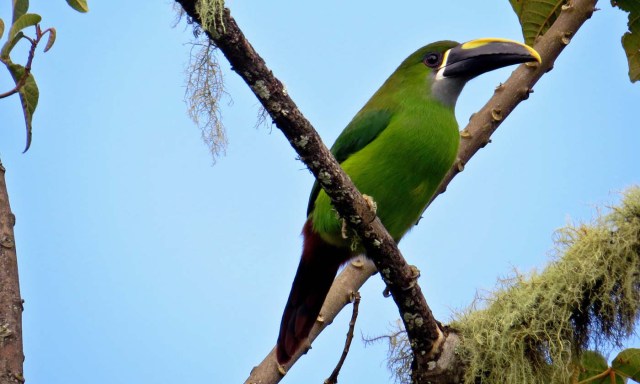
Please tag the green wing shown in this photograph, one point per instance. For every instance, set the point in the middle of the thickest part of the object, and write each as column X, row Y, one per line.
column 362, row 130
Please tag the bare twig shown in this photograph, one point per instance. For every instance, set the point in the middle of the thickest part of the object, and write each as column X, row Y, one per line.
column 399, row 354
column 333, row 379
column 11, row 355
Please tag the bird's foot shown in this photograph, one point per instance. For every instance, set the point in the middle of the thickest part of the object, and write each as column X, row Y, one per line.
column 415, row 274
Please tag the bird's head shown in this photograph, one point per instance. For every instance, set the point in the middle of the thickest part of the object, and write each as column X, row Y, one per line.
column 448, row 65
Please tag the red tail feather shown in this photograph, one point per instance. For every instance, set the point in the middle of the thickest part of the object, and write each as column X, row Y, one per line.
column 317, row 269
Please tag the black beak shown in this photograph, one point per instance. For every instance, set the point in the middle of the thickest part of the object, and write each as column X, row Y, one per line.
column 476, row 57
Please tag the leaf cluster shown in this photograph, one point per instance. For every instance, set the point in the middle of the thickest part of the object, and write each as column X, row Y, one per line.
column 25, row 83
column 631, row 39
column 536, row 16
column 594, row 369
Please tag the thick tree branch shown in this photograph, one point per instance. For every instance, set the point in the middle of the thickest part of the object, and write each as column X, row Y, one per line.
column 400, row 278
column 11, row 356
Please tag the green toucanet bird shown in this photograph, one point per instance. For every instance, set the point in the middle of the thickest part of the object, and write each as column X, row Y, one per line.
column 397, row 149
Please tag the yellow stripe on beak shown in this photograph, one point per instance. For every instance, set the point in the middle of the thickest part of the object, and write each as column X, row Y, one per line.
column 484, row 41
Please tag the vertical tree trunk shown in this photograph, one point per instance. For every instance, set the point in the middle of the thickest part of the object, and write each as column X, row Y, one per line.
column 11, row 356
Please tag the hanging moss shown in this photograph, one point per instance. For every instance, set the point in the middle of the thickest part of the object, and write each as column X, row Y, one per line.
column 203, row 94
column 210, row 12
column 534, row 328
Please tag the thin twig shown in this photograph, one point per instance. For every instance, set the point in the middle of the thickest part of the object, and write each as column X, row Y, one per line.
column 333, row 379
column 27, row 68
column 608, row 372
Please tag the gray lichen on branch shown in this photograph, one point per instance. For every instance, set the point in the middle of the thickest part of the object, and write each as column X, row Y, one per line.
column 210, row 13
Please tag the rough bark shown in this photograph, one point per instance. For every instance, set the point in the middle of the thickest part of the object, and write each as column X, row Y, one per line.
column 11, row 356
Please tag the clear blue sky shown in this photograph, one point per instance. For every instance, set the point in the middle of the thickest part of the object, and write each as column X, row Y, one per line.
column 142, row 262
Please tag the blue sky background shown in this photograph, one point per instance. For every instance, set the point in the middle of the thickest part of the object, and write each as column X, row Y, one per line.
column 142, row 262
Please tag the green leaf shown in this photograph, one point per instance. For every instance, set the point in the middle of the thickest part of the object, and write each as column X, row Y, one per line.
column 1, row 28
column 28, row 96
column 20, row 7
column 628, row 363
column 8, row 46
column 79, row 5
column 24, row 21
column 631, row 39
column 52, row 38
column 592, row 364
column 536, row 16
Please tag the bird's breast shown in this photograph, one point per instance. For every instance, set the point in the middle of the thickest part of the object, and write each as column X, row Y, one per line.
column 400, row 170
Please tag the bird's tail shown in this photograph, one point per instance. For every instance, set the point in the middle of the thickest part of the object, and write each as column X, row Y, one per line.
column 317, row 269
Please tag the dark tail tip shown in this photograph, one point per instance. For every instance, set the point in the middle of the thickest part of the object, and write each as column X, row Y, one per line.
column 283, row 356
column 317, row 269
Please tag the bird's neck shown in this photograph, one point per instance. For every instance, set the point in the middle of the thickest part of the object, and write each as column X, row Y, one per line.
column 446, row 90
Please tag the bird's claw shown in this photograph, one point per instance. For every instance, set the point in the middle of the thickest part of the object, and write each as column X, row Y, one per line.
column 415, row 274
column 372, row 205
column 343, row 230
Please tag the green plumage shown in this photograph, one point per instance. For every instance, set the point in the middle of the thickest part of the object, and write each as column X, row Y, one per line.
column 397, row 149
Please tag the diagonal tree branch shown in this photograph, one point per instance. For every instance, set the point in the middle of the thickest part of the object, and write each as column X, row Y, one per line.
column 354, row 274
column 507, row 96
column 400, row 278
column 475, row 136
column 11, row 355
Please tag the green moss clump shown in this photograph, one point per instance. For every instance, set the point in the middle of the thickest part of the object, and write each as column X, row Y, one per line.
column 534, row 328
column 210, row 12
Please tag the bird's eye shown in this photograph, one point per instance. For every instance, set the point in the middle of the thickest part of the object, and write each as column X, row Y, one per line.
column 432, row 59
